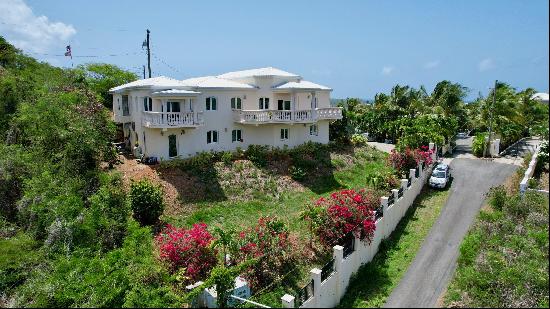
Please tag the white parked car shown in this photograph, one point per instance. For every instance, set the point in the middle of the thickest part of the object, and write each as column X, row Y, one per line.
column 440, row 176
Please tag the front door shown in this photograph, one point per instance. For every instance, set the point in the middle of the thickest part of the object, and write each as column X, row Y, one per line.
column 172, row 146
column 173, row 107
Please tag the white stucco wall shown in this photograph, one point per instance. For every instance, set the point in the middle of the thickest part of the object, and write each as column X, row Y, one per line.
column 191, row 141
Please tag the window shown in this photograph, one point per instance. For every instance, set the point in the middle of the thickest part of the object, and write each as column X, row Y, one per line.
column 313, row 129
column 211, row 104
column 147, row 104
column 283, row 105
column 236, row 103
column 211, row 137
column 125, row 108
column 173, row 107
column 236, row 136
column 172, row 146
column 263, row 103
column 284, row 134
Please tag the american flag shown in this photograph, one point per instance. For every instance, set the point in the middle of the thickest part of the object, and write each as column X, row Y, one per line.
column 68, row 52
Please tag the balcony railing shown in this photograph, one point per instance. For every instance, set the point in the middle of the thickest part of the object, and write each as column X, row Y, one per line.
column 172, row 119
column 284, row 116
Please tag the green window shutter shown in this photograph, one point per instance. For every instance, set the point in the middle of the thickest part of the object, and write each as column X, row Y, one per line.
column 207, row 104
column 239, row 106
column 239, row 135
column 233, row 103
column 215, row 136
column 233, row 135
column 261, row 103
column 214, row 104
column 266, row 103
column 209, row 137
column 287, row 105
column 282, row 133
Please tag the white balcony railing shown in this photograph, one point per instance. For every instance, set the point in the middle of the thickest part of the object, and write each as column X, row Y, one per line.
column 172, row 119
column 277, row 116
column 329, row 113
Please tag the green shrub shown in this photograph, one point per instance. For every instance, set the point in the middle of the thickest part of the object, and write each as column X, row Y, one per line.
column 479, row 144
column 146, row 202
column 358, row 140
column 498, row 198
column 227, row 157
column 258, row 154
column 297, row 173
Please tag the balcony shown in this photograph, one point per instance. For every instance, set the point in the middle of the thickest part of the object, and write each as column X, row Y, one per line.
column 277, row 116
column 172, row 119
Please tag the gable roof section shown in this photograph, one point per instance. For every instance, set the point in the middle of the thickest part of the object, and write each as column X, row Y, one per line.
column 214, row 82
column 175, row 93
column 268, row 71
column 160, row 82
column 302, row 85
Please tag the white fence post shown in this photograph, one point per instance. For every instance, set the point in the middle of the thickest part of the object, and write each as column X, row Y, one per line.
column 420, row 170
column 384, row 204
column 316, row 277
column 287, row 301
column 412, row 174
column 338, row 254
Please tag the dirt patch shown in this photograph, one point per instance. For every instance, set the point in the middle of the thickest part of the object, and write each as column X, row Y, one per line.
column 131, row 170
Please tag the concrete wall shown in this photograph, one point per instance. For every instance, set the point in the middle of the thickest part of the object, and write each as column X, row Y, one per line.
column 327, row 294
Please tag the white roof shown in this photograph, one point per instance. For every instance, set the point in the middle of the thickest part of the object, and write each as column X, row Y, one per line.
column 161, row 81
column 540, row 96
column 303, row 84
column 214, row 82
column 175, row 92
column 269, row 71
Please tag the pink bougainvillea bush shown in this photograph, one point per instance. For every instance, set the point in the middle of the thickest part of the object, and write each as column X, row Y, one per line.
column 343, row 212
column 189, row 249
column 273, row 247
column 408, row 159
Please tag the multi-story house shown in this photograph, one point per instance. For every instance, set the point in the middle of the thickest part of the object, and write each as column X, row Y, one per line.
column 179, row 118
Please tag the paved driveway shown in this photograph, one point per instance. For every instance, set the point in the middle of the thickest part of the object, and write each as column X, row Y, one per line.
column 435, row 263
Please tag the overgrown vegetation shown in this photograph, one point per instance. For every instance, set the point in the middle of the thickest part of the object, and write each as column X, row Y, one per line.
column 503, row 260
column 67, row 236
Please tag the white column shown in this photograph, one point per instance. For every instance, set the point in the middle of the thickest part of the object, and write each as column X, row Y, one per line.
column 338, row 254
column 287, row 301
column 316, row 277
column 412, row 173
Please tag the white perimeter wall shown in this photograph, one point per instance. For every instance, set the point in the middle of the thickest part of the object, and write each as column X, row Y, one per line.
column 327, row 294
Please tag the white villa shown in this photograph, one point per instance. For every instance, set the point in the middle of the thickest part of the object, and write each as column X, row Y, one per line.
column 170, row 118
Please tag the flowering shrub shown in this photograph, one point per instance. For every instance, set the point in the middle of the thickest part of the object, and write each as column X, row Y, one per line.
column 343, row 212
column 271, row 244
column 405, row 160
column 187, row 248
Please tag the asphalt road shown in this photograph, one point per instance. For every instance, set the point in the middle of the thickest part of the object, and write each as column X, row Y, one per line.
column 435, row 262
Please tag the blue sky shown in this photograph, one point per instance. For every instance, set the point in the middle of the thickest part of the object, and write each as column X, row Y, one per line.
column 358, row 48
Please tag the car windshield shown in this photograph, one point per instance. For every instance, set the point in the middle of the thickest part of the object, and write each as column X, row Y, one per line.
column 438, row 174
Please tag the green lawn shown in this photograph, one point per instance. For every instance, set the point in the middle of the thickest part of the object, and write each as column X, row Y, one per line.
column 374, row 282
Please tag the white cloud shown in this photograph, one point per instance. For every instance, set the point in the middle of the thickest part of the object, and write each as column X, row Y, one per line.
column 486, row 64
column 29, row 32
column 387, row 70
column 431, row 64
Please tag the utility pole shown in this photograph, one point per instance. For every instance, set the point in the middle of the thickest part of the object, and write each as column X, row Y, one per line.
column 491, row 115
column 148, row 53
column 143, row 72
